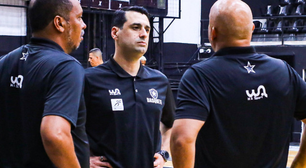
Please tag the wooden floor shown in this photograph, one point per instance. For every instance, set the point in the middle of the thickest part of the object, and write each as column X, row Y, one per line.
column 292, row 152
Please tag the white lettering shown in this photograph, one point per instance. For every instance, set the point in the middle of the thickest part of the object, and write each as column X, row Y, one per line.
column 261, row 93
column 16, row 81
column 115, row 92
column 156, row 101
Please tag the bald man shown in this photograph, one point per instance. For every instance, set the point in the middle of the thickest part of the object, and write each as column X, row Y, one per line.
column 236, row 108
column 95, row 57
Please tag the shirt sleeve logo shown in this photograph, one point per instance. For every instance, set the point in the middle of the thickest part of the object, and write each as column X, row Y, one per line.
column 261, row 93
column 16, row 82
column 154, row 95
column 117, row 104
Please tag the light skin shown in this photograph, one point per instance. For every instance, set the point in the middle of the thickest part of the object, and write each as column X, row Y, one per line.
column 131, row 42
column 143, row 62
column 55, row 130
column 94, row 60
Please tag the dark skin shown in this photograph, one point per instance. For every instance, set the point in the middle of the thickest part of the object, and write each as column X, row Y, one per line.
column 55, row 130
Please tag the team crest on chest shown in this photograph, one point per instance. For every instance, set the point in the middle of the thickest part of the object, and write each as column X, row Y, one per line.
column 154, row 95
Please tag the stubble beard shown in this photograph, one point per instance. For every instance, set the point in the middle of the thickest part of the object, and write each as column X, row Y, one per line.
column 71, row 45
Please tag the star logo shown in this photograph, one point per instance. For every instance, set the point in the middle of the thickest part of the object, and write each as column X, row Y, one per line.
column 249, row 67
column 153, row 93
column 24, row 56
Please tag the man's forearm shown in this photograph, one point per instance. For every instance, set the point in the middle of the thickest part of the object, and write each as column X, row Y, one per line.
column 300, row 159
column 166, row 134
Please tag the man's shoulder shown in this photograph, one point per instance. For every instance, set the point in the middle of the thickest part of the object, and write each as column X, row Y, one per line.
column 154, row 73
column 55, row 55
column 12, row 55
column 100, row 69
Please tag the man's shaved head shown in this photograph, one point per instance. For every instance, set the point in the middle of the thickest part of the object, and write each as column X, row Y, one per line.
column 232, row 20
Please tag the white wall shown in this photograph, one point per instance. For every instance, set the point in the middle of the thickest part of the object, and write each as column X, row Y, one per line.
column 12, row 19
column 186, row 29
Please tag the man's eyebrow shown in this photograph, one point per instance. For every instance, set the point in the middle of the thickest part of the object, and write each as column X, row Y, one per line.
column 139, row 24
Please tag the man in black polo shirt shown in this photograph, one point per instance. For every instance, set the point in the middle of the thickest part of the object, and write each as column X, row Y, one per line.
column 128, row 103
column 236, row 108
column 42, row 112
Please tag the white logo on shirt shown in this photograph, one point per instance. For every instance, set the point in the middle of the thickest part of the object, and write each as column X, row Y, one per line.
column 16, row 82
column 117, row 104
column 261, row 93
column 24, row 56
column 115, row 92
column 154, row 98
column 249, row 67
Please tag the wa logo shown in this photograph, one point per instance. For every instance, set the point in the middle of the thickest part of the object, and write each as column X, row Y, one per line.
column 115, row 92
column 16, row 82
column 261, row 93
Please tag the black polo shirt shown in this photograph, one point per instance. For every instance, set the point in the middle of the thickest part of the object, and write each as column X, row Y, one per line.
column 37, row 80
column 248, row 102
column 124, row 113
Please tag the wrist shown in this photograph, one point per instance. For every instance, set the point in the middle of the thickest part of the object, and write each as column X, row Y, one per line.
column 164, row 154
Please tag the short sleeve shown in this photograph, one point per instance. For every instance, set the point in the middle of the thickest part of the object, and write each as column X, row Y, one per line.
column 192, row 96
column 300, row 85
column 64, row 91
column 168, row 110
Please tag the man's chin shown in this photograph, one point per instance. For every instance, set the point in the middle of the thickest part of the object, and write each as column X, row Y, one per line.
column 142, row 50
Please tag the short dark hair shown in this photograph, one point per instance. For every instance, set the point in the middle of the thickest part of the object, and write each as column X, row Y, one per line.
column 42, row 12
column 96, row 51
column 119, row 16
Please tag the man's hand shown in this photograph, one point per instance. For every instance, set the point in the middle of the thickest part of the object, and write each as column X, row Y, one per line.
column 95, row 162
column 159, row 161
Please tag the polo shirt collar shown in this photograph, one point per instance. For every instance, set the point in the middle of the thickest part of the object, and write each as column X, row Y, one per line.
column 46, row 43
column 235, row 51
column 122, row 73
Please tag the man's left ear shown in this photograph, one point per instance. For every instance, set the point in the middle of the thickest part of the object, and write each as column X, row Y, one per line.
column 59, row 23
column 253, row 28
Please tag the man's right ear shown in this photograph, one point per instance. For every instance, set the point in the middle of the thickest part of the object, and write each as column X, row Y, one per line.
column 59, row 23
column 213, row 33
column 114, row 32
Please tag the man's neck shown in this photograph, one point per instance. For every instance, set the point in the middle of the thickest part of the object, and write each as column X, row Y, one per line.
column 130, row 66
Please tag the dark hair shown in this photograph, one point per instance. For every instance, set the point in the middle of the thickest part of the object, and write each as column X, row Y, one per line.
column 42, row 12
column 96, row 51
column 119, row 16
